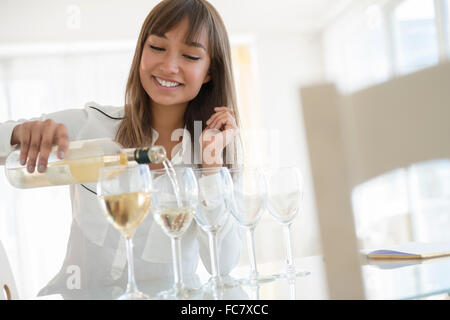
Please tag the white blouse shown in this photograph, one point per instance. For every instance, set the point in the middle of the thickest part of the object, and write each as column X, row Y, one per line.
column 95, row 246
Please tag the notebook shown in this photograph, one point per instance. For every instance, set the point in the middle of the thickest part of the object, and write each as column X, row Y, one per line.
column 412, row 250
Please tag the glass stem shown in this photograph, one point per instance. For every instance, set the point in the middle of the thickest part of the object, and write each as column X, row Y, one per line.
column 292, row 289
column 176, row 258
column 252, row 253
column 255, row 292
column 131, row 286
column 290, row 268
column 214, row 256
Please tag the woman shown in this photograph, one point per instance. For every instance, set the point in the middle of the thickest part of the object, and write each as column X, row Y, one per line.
column 180, row 77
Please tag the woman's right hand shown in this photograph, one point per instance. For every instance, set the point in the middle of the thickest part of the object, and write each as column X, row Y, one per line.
column 38, row 137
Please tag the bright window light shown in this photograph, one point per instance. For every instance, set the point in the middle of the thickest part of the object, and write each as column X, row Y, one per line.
column 415, row 35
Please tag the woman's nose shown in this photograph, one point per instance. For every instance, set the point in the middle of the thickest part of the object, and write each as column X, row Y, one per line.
column 169, row 64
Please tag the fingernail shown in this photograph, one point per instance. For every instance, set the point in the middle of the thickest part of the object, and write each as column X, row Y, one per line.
column 23, row 161
column 30, row 168
column 41, row 168
column 61, row 154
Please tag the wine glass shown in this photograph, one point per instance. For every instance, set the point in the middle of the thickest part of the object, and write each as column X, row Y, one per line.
column 249, row 203
column 285, row 197
column 175, row 198
column 125, row 195
column 215, row 191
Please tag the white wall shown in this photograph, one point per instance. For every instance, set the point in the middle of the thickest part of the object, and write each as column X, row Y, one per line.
column 53, row 20
column 56, row 20
column 356, row 54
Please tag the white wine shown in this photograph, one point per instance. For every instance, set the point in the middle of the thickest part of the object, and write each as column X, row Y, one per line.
column 63, row 172
column 81, row 164
column 127, row 210
column 174, row 222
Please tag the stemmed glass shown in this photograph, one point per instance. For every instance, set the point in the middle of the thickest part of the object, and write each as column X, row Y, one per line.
column 215, row 191
column 125, row 195
column 247, row 208
column 285, row 195
column 175, row 198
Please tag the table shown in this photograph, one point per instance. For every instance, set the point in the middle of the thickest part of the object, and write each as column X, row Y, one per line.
column 383, row 279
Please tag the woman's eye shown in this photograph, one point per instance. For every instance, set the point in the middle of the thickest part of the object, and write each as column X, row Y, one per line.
column 192, row 58
column 156, row 48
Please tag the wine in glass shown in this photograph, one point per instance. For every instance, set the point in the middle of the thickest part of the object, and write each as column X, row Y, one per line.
column 249, row 203
column 285, row 197
column 175, row 198
column 125, row 194
column 215, row 191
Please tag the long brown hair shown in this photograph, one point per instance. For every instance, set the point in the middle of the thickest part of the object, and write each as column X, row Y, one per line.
column 135, row 129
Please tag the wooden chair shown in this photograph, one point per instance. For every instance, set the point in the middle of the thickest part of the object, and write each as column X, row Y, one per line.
column 353, row 138
column 8, row 290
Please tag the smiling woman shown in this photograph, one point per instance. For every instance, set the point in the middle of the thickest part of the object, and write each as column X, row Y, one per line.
column 183, row 54
column 98, row 72
column 172, row 82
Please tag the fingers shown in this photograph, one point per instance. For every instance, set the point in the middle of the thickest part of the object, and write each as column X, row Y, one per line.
column 37, row 138
column 46, row 145
column 62, row 140
column 223, row 121
column 218, row 111
column 223, row 118
column 224, row 109
column 35, row 143
column 24, row 140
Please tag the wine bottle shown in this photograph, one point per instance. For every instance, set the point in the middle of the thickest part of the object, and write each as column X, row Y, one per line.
column 81, row 164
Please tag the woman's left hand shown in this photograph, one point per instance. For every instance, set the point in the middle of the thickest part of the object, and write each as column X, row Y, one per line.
column 220, row 131
column 222, row 119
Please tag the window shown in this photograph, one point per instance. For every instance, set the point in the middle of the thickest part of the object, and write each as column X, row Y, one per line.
column 381, row 210
column 430, row 200
column 409, row 204
column 415, row 35
column 355, row 49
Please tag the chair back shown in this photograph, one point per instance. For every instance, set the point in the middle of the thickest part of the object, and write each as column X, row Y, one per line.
column 353, row 138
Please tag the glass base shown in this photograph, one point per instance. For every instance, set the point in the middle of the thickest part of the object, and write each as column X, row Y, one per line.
column 255, row 280
column 220, row 283
column 177, row 293
column 292, row 274
column 216, row 287
column 134, row 296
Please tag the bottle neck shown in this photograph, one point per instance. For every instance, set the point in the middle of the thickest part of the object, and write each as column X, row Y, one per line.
column 142, row 155
column 154, row 154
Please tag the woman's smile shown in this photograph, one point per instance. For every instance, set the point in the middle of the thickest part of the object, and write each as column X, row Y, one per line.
column 166, row 84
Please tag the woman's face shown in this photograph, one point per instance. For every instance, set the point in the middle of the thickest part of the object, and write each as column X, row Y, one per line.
column 172, row 71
